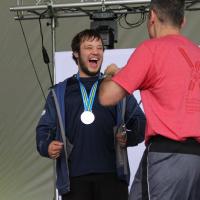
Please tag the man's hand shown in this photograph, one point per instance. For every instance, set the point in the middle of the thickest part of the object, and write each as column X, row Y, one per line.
column 110, row 93
column 54, row 149
column 121, row 139
column 111, row 70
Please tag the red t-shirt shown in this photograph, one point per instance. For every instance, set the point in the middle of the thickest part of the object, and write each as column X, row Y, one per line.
column 167, row 72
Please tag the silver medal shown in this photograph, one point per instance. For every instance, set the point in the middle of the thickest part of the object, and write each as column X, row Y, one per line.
column 87, row 117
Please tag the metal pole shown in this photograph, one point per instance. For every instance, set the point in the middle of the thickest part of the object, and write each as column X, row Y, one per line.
column 54, row 182
column 76, row 5
column 32, row 12
column 53, row 39
column 53, row 24
column 83, row 4
column 53, row 35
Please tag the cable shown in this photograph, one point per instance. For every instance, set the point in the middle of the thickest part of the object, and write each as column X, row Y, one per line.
column 142, row 10
column 44, row 51
column 31, row 59
column 130, row 25
column 120, row 22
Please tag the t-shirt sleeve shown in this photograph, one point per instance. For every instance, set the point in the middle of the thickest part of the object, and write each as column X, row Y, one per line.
column 134, row 74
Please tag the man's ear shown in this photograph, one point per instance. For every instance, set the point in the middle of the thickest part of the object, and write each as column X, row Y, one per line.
column 152, row 16
column 75, row 54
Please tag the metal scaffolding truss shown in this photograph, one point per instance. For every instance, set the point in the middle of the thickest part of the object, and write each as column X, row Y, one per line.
column 97, row 10
column 50, row 9
column 78, row 9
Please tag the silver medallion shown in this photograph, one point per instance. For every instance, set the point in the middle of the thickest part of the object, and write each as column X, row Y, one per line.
column 87, row 117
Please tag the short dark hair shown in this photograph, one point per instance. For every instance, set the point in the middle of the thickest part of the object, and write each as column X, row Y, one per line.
column 169, row 11
column 81, row 37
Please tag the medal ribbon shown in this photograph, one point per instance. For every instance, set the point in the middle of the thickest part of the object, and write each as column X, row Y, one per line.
column 87, row 101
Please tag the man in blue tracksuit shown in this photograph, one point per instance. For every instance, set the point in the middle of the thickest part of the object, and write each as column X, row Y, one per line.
column 89, row 172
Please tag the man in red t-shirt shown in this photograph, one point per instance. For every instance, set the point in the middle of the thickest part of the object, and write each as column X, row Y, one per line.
column 166, row 70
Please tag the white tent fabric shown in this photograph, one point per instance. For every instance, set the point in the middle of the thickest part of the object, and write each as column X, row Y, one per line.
column 23, row 173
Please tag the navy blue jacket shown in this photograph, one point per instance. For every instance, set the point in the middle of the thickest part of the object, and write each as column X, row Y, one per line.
column 48, row 130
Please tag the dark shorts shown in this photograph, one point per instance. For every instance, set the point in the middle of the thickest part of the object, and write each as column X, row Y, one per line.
column 104, row 186
column 169, row 170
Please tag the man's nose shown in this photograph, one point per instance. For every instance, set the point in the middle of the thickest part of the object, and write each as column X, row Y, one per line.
column 95, row 50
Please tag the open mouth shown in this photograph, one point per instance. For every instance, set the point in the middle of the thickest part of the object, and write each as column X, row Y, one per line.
column 93, row 62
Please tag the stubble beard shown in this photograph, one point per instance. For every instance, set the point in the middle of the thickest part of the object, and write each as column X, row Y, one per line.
column 86, row 70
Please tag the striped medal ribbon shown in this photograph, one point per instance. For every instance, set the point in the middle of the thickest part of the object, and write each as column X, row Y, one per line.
column 87, row 117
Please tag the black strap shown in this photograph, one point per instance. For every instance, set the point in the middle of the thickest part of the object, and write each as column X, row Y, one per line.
column 123, row 109
column 145, row 194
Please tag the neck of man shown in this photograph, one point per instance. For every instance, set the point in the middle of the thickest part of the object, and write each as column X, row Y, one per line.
column 165, row 30
column 83, row 75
